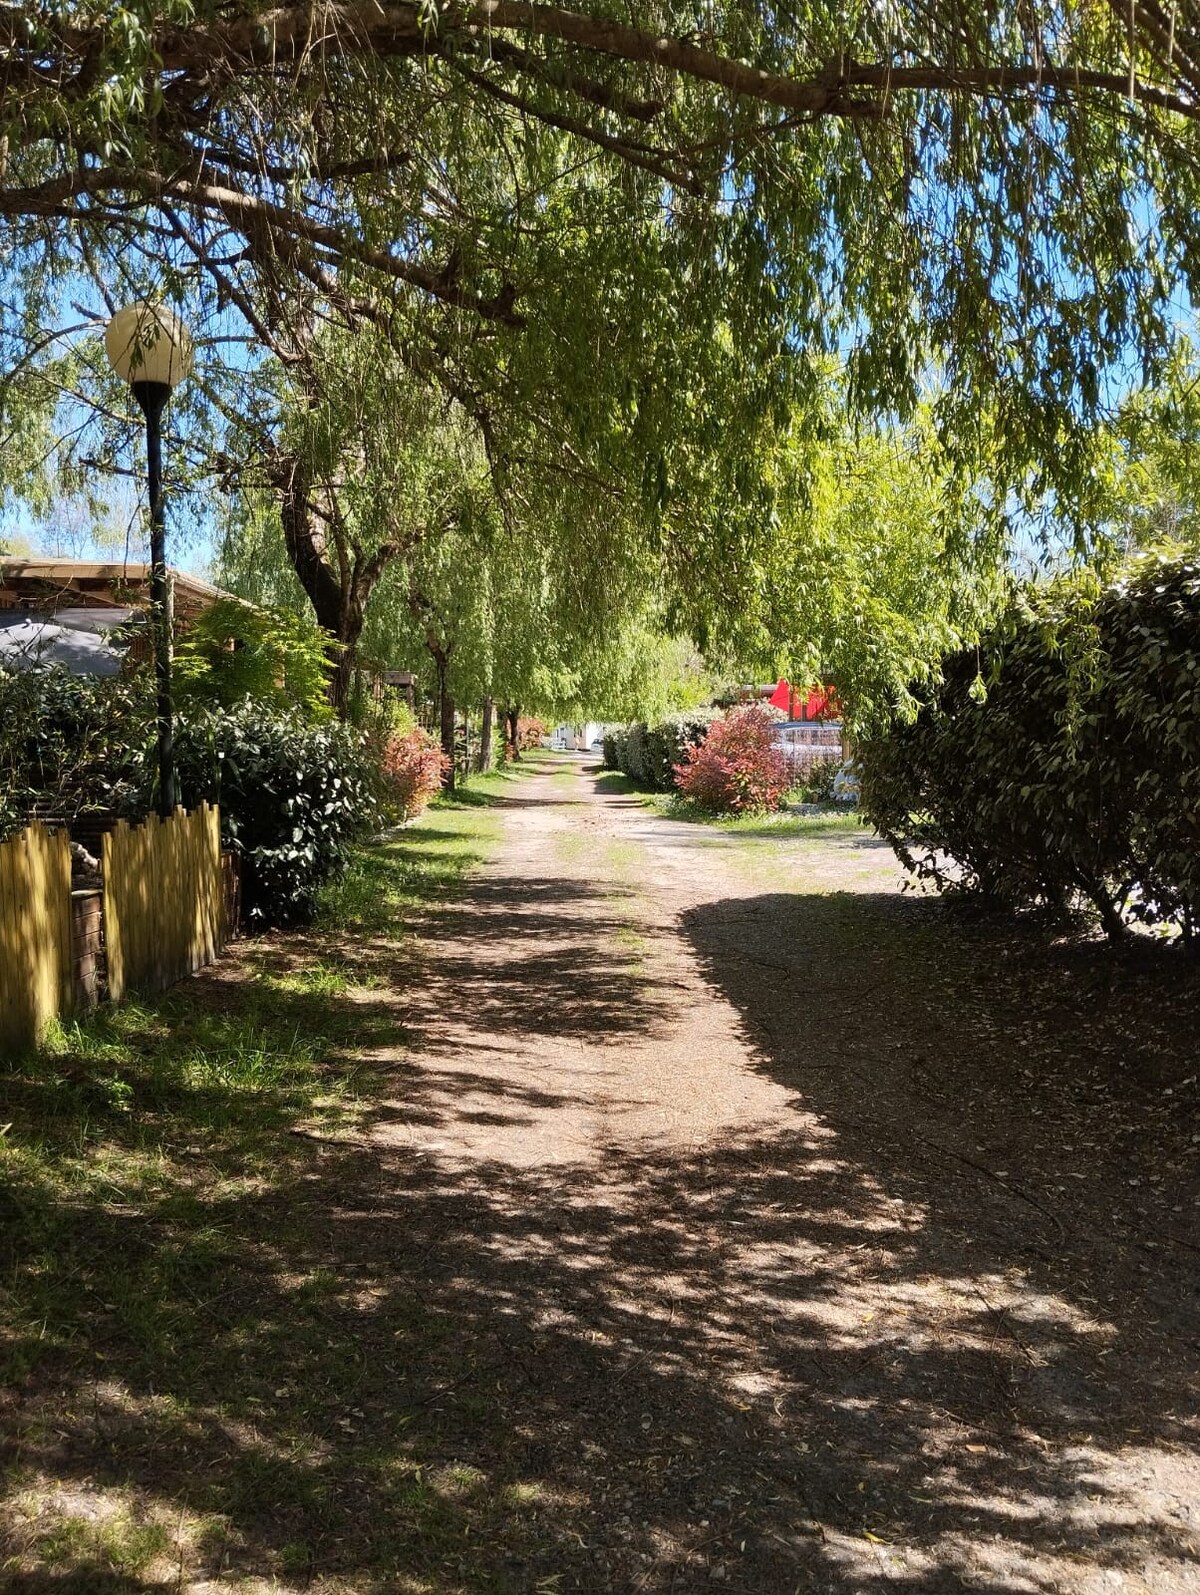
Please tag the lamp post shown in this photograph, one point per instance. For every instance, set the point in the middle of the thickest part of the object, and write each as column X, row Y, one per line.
column 149, row 347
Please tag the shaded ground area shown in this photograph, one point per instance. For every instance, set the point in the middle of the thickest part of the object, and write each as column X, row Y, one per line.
column 678, row 1210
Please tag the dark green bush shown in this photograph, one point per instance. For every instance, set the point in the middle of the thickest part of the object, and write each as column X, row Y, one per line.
column 669, row 740
column 293, row 797
column 73, row 744
column 648, row 754
column 637, row 755
column 1061, row 761
column 818, row 783
column 293, row 794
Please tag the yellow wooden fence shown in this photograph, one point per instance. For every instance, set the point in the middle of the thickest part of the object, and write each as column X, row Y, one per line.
column 163, row 915
column 162, row 899
column 35, row 934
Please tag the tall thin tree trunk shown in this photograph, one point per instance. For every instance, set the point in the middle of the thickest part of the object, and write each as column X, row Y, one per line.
column 513, row 716
column 446, row 722
column 485, row 735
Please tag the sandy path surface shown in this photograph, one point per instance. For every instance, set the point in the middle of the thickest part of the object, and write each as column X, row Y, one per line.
column 761, row 1262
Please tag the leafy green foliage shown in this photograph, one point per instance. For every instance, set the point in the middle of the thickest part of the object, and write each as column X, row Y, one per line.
column 819, row 780
column 293, row 798
column 736, row 769
column 1061, row 762
column 233, row 651
column 293, row 794
column 648, row 754
column 881, row 559
column 76, row 744
column 632, row 332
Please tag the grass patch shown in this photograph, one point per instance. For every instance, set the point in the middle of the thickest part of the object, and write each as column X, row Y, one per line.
column 421, row 862
column 780, row 824
column 120, row 1545
column 613, row 781
column 785, row 823
column 162, row 1306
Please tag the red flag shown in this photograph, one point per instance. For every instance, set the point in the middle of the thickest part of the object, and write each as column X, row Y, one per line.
column 781, row 698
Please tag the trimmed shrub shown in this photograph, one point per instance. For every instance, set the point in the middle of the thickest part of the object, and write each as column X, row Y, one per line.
column 648, row 755
column 736, row 769
column 1060, row 763
column 75, row 744
column 637, row 755
column 293, row 794
column 293, row 797
column 667, row 744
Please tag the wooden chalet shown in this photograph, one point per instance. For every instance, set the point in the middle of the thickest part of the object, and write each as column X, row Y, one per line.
column 50, row 585
column 66, row 611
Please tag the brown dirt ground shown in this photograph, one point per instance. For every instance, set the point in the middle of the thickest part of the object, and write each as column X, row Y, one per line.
column 742, row 1222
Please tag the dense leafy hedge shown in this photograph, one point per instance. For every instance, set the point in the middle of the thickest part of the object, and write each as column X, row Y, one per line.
column 736, row 769
column 648, row 754
column 293, row 794
column 293, row 797
column 73, row 744
column 1061, row 762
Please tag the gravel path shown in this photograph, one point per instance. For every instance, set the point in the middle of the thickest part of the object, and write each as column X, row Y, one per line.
column 784, row 1235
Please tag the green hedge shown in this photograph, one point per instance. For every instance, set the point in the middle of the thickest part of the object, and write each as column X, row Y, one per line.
column 293, row 797
column 1060, row 762
column 74, row 744
column 648, row 754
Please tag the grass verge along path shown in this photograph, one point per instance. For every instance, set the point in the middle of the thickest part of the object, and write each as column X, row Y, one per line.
column 161, row 1301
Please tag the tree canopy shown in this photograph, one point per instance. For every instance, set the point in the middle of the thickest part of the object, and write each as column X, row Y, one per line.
column 619, row 253
column 1007, row 194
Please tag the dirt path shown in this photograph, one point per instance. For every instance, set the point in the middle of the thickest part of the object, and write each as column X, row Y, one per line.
column 725, row 1219
column 777, row 1236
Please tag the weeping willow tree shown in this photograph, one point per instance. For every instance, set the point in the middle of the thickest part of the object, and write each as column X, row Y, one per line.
column 621, row 243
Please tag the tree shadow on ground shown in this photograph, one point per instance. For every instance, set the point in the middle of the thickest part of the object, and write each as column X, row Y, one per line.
column 871, row 1347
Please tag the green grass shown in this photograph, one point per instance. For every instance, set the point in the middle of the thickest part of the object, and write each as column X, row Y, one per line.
column 119, row 1545
column 154, row 1231
column 614, row 781
column 418, row 863
column 828, row 822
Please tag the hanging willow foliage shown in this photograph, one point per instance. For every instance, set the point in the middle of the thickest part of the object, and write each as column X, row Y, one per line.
column 625, row 243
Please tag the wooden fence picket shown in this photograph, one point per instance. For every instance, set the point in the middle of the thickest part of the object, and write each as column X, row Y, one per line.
column 162, row 890
column 163, row 915
column 35, row 934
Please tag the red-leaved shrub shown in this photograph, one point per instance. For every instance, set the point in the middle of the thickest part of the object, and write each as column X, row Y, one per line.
column 412, row 765
column 530, row 732
column 736, row 769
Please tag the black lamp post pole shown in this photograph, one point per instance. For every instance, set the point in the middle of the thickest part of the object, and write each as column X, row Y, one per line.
column 153, row 396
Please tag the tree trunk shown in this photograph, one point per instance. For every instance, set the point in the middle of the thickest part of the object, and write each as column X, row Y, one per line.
column 445, row 715
column 447, row 724
column 338, row 592
column 513, row 717
column 485, row 735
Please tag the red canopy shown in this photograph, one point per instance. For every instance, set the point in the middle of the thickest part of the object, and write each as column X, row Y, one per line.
column 802, row 705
